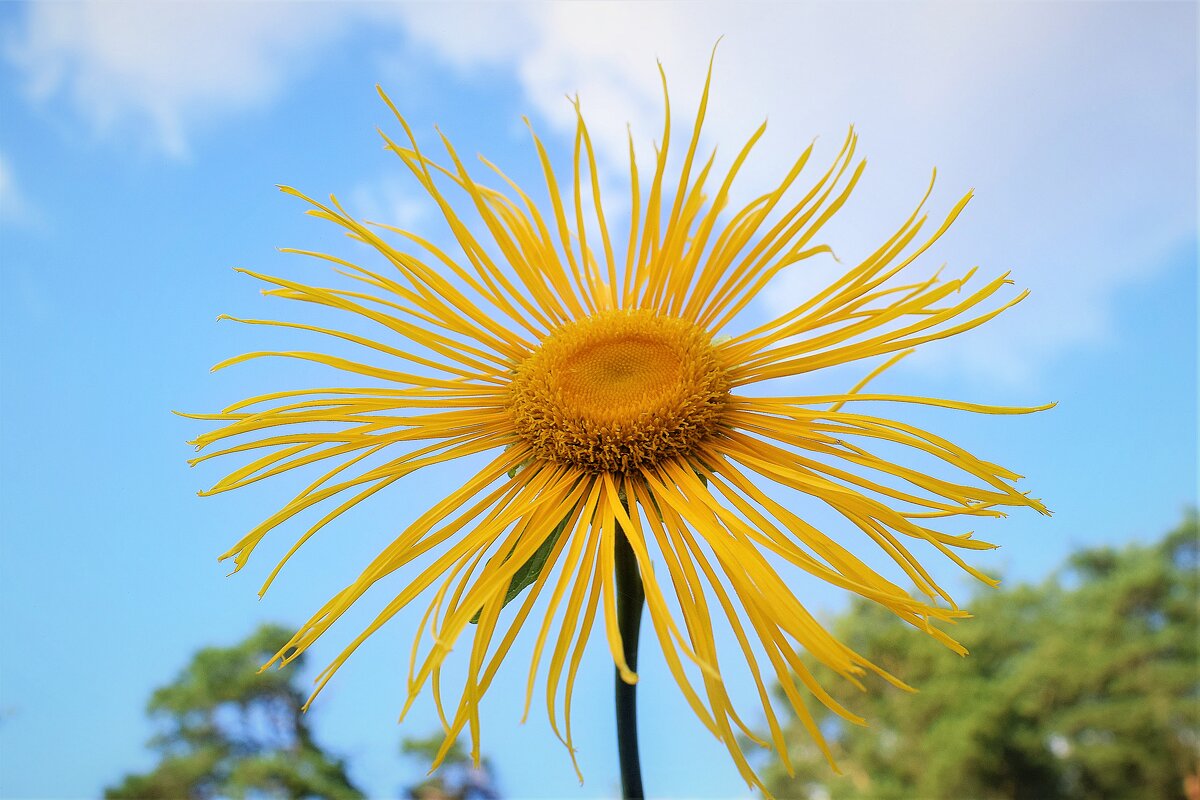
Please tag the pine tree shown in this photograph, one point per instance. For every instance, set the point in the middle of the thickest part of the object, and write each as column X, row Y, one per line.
column 1086, row 686
column 231, row 732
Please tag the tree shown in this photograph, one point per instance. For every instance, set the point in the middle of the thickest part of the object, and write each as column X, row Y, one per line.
column 232, row 732
column 456, row 779
column 1084, row 687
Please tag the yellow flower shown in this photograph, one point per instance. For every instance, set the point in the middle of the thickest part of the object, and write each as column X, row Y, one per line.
column 613, row 387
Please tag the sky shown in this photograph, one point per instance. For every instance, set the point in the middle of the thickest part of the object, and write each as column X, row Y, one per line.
column 140, row 147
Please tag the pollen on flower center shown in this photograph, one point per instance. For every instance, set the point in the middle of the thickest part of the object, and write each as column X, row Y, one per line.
column 619, row 390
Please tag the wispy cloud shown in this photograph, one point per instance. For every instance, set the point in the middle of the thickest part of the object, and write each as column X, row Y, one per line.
column 155, row 70
column 389, row 201
column 1075, row 123
column 15, row 207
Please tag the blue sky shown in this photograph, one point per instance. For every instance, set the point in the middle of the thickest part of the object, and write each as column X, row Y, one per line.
column 139, row 148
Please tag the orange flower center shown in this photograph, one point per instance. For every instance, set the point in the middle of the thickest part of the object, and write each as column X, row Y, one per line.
column 619, row 390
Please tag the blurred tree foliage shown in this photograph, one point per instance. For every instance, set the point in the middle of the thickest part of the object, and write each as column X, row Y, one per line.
column 1087, row 686
column 231, row 732
column 456, row 779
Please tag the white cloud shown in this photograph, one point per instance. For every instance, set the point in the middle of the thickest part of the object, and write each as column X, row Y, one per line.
column 390, row 201
column 1074, row 122
column 14, row 206
column 468, row 35
column 159, row 68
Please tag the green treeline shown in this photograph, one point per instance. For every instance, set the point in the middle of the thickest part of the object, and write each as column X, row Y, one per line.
column 228, row 731
column 1086, row 686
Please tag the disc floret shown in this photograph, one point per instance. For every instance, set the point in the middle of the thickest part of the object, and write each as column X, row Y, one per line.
column 620, row 390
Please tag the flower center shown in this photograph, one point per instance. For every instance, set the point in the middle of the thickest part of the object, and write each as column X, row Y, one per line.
column 619, row 390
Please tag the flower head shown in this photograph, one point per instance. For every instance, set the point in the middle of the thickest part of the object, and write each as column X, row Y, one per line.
column 617, row 392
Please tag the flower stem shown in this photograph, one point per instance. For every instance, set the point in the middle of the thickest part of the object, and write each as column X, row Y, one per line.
column 630, row 597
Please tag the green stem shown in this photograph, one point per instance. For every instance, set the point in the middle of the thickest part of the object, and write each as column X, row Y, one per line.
column 630, row 598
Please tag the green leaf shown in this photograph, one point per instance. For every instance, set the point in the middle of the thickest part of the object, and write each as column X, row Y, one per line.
column 529, row 571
